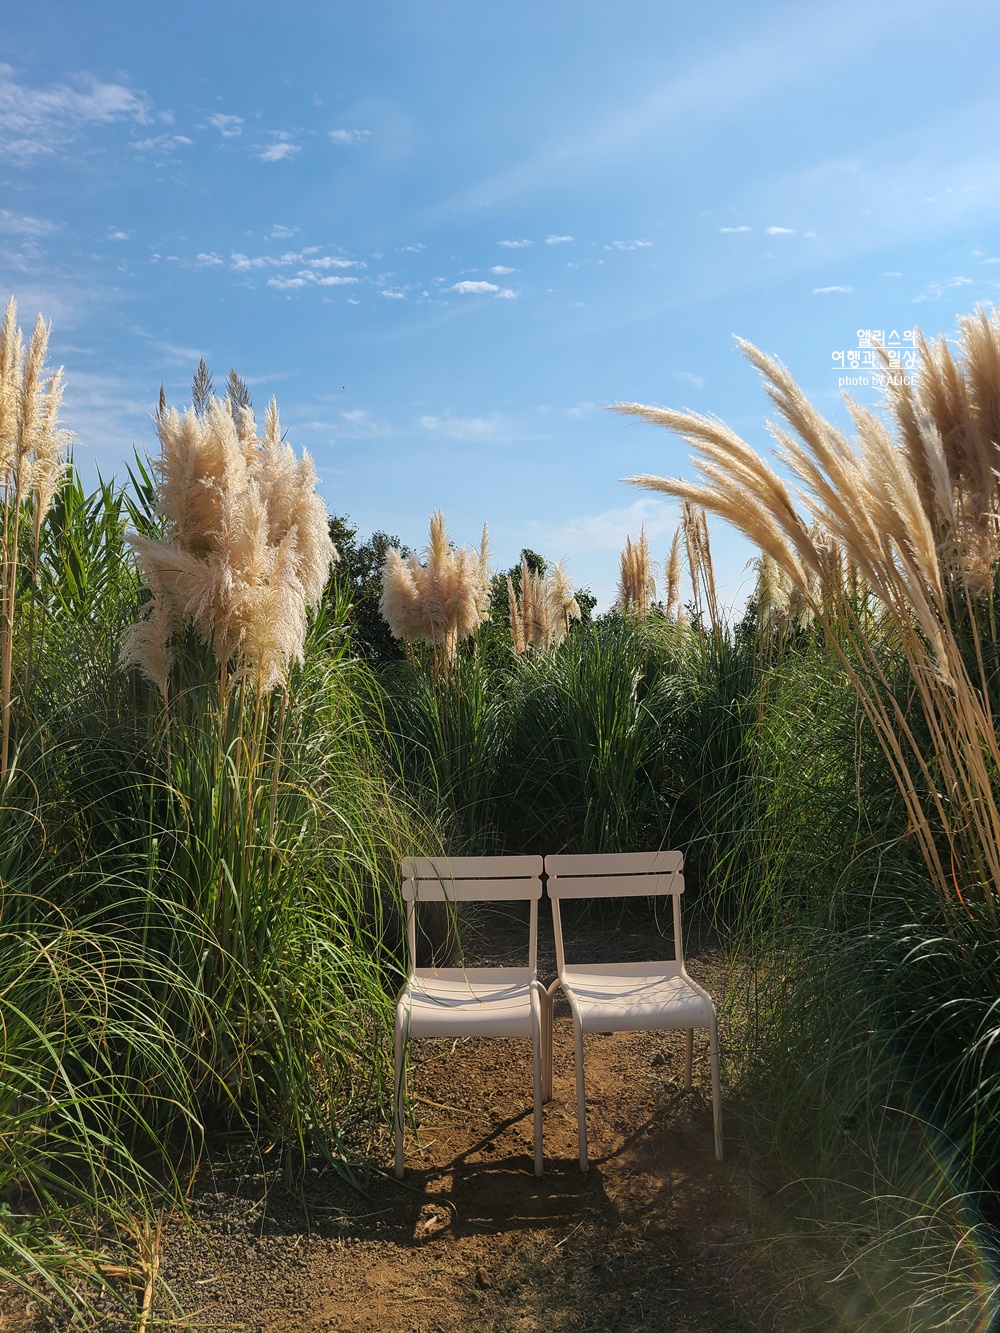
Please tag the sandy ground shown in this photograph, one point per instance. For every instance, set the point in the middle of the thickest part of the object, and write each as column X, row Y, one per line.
column 656, row 1235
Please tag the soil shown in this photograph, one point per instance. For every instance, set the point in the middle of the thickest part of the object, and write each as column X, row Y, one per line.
column 657, row 1235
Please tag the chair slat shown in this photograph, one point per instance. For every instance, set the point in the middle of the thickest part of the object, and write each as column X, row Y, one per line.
column 614, row 863
column 471, row 867
column 471, row 890
column 615, row 886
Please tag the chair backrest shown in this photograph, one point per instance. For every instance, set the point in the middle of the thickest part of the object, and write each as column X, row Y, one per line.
column 615, row 875
column 472, row 879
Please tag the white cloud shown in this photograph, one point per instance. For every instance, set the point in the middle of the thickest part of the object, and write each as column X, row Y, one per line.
column 278, row 152
column 360, row 424
column 242, row 263
column 113, row 234
column 607, row 531
column 161, row 143
column 337, row 280
column 14, row 225
column 893, row 274
column 463, row 428
column 732, row 230
column 557, row 240
column 507, row 294
column 629, row 245
column 413, row 249
column 473, row 288
column 689, row 377
column 822, row 291
column 208, row 259
column 283, row 284
column 37, row 121
column 779, row 231
column 501, row 269
column 228, row 126
column 328, row 261
column 391, row 294
column 279, row 232
column 514, row 245
column 350, row 136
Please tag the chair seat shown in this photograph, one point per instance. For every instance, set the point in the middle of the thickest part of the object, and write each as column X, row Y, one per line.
column 630, row 997
column 451, row 1001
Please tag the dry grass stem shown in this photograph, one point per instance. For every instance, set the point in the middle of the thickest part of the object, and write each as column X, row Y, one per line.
column 906, row 511
column 439, row 601
column 637, row 578
column 547, row 607
column 246, row 549
column 32, row 463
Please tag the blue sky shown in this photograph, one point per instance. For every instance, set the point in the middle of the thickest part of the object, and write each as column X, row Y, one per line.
column 443, row 235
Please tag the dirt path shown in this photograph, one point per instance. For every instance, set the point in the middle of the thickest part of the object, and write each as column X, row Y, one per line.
column 655, row 1236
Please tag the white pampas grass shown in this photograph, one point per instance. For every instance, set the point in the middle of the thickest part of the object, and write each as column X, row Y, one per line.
column 637, row 578
column 32, row 463
column 442, row 600
column 908, row 517
column 246, row 549
column 547, row 606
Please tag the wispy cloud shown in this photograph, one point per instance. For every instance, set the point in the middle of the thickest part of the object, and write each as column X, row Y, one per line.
column 115, row 234
column 779, row 231
column 607, row 531
column 393, row 294
column 336, row 261
column 464, row 428
column 515, row 245
column 557, row 240
column 412, row 249
column 689, row 377
column 468, row 288
column 279, row 152
column 13, row 224
column 360, row 424
column 350, row 136
column 161, row 143
column 823, row 291
column 733, row 230
column 629, row 245
column 279, row 232
column 501, row 269
column 208, row 259
column 286, row 284
column 41, row 121
column 230, row 127
column 785, row 50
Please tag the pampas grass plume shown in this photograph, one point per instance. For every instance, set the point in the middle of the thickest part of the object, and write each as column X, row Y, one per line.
column 441, row 600
column 246, row 549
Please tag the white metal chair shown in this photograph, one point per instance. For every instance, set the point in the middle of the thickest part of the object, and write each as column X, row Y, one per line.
column 629, row 997
column 471, row 1001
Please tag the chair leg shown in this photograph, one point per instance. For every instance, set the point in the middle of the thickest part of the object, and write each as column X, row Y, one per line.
column 713, row 1036
column 538, row 1060
column 581, row 1098
column 688, row 1054
column 547, row 1010
column 399, row 1098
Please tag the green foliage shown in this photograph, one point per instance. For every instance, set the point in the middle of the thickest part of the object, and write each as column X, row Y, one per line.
column 197, row 921
column 357, row 581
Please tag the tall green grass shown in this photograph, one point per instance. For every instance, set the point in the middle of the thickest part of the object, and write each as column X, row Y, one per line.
column 197, row 922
